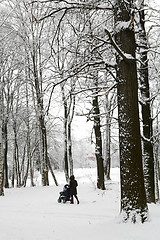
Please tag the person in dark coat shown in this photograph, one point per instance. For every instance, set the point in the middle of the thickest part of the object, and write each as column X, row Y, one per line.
column 73, row 189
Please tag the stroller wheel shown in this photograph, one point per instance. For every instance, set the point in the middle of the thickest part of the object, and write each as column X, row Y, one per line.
column 64, row 200
column 59, row 200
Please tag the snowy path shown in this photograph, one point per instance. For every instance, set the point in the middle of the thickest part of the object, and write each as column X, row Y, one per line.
column 34, row 214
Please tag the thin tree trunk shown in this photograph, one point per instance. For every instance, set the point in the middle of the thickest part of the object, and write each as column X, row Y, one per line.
column 107, row 157
column 22, row 165
column 146, row 113
column 70, row 149
column 1, row 160
column 42, row 127
column 156, row 157
column 44, row 157
column 16, row 155
column 13, row 167
column 26, row 174
column 53, row 175
column 72, row 101
column 5, row 136
column 66, row 167
column 29, row 139
column 98, row 147
column 44, row 132
column 1, row 171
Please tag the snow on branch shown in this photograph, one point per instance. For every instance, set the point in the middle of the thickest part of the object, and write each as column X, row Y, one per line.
column 123, row 25
column 146, row 139
column 81, row 4
column 126, row 56
column 70, row 5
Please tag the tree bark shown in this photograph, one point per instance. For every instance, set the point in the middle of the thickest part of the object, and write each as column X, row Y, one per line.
column 5, row 136
column 148, row 156
column 16, row 164
column 1, row 172
column 107, row 142
column 52, row 173
column 72, row 102
column 66, row 167
column 156, row 157
column 29, row 140
column 42, row 127
column 133, row 196
column 98, row 146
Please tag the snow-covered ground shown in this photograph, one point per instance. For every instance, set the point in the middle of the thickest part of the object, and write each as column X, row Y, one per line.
column 34, row 213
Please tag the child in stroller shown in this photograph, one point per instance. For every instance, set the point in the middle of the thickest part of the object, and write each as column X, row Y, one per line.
column 64, row 195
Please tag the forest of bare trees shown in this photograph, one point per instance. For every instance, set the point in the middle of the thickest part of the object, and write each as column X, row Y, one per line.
column 61, row 60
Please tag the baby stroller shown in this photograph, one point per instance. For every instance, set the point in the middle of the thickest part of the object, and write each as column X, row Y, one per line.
column 64, row 195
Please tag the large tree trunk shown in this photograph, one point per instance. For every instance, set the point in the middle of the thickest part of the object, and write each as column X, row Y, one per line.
column 146, row 113
column 133, row 196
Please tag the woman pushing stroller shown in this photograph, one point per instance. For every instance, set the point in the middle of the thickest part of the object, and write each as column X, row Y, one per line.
column 73, row 189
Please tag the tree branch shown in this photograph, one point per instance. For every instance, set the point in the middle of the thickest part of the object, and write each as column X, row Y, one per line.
column 127, row 57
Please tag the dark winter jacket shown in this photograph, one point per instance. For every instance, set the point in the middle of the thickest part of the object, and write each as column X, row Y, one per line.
column 73, row 186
